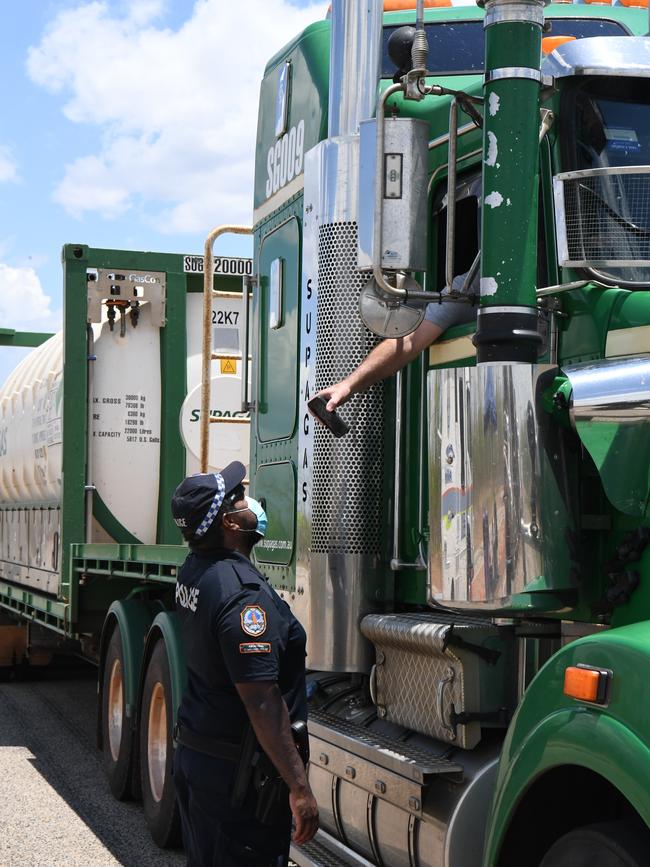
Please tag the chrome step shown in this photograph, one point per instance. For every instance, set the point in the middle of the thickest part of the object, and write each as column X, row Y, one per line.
column 326, row 851
column 414, row 763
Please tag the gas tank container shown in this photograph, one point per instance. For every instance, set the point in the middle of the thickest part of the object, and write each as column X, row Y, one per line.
column 30, row 427
column 124, row 436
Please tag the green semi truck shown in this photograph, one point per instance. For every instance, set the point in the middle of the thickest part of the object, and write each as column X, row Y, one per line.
column 470, row 560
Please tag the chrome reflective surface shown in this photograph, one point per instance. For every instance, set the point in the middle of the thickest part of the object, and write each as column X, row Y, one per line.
column 443, row 139
column 354, row 64
column 115, row 708
column 403, row 241
column 499, row 489
column 343, row 587
column 452, row 157
column 513, row 72
column 602, row 218
column 497, row 11
column 600, row 55
column 382, row 816
column 385, row 315
column 157, row 741
column 611, row 413
column 338, row 574
column 424, row 677
column 468, row 822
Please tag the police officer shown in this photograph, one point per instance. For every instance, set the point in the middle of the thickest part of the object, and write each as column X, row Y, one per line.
column 245, row 656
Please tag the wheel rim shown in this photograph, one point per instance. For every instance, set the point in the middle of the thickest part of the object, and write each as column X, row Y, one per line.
column 115, row 709
column 157, row 741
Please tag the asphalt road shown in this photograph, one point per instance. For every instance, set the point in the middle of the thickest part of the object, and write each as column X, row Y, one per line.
column 55, row 805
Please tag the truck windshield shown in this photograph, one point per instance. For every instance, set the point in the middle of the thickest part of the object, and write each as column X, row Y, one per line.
column 613, row 123
column 612, row 136
column 458, row 47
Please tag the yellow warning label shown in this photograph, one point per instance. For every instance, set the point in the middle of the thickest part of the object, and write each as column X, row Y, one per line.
column 228, row 365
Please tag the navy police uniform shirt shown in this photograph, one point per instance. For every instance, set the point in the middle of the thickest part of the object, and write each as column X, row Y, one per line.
column 236, row 629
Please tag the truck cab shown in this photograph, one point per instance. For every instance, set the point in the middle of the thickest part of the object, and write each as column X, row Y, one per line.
column 480, row 531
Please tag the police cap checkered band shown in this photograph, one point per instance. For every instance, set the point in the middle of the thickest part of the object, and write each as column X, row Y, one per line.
column 215, row 505
column 197, row 500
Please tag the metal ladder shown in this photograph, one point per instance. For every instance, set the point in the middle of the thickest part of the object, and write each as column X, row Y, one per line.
column 208, row 354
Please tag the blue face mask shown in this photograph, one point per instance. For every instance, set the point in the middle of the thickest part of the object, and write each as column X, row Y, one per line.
column 256, row 508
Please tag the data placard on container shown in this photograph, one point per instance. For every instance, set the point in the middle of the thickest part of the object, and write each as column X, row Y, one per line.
column 231, row 266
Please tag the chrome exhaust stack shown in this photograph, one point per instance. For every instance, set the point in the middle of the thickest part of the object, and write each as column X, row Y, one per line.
column 354, row 57
column 340, row 576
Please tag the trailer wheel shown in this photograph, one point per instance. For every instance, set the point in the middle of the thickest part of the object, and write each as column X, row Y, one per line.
column 117, row 734
column 612, row 844
column 156, row 751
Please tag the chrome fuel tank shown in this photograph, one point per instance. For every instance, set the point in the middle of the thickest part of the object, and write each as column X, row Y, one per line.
column 503, row 532
column 398, row 802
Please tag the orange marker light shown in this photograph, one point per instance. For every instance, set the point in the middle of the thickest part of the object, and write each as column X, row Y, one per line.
column 400, row 5
column 586, row 684
column 550, row 43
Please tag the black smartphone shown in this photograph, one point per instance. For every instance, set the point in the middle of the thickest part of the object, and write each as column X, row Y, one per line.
column 318, row 405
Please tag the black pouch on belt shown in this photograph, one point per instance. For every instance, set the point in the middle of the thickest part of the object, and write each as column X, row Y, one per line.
column 255, row 770
column 272, row 792
column 246, row 765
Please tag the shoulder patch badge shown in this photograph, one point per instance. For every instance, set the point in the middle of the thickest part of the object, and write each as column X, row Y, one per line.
column 253, row 620
column 255, row 647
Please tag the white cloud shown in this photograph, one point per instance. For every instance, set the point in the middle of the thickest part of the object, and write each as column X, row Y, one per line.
column 177, row 110
column 23, row 302
column 8, row 167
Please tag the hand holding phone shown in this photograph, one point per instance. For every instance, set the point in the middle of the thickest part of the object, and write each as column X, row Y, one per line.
column 331, row 420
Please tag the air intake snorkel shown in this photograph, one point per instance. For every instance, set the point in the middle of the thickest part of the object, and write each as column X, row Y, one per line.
column 507, row 320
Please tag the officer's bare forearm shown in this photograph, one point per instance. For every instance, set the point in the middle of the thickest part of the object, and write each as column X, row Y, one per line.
column 269, row 717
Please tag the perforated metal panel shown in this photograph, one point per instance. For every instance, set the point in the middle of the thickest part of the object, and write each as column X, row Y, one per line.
column 347, row 472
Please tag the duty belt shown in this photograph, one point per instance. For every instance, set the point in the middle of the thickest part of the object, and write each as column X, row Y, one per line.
column 210, row 746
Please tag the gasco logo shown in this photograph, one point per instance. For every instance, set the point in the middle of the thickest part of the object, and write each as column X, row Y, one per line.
column 143, row 278
column 285, row 158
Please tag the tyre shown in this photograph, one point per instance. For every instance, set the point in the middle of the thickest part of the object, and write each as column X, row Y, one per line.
column 117, row 732
column 612, row 844
column 156, row 752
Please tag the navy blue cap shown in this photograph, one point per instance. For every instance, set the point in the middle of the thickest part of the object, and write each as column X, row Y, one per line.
column 198, row 498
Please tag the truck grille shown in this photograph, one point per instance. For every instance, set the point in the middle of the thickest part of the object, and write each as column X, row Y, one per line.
column 603, row 217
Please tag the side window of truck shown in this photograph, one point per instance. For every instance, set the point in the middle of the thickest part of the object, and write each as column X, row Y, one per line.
column 468, row 231
column 467, row 234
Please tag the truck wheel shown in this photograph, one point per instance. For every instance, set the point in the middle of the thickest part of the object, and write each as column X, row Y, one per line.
column 612, row 844
column 117, row 734
column 156, row 752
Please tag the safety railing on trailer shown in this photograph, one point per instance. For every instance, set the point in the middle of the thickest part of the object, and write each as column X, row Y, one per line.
column 208, row 354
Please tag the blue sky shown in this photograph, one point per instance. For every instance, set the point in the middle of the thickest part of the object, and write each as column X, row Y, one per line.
column 125, row 125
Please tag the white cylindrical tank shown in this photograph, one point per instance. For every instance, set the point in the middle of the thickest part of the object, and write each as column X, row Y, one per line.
column 124, row 429
column 124, row 418
column 30, row 427
column 229, row 438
